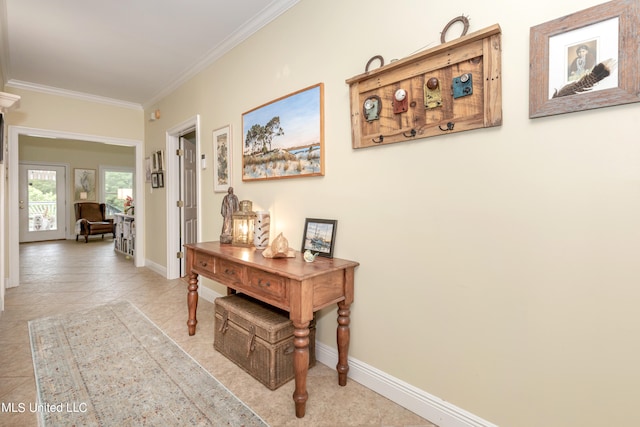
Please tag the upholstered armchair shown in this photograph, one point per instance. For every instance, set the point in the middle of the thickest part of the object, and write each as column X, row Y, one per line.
column 90, row 220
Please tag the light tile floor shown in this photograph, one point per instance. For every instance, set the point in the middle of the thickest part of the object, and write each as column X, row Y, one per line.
column 65, row 276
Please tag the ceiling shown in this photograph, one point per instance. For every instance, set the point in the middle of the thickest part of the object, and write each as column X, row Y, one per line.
column 126, row 52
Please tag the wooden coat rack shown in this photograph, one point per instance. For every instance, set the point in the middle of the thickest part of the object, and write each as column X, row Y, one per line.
column 474, row 58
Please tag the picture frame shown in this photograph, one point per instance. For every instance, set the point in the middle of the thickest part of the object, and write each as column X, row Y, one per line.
column 319, row 236
column 222, row 166
column 158, row 161
column 610, row 29
column 84, row 184
column 147, row 169
column 285, row 137
column 160, row 179
column 155, row 180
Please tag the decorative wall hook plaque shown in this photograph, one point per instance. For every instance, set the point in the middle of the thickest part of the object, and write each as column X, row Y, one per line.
column 427, row 79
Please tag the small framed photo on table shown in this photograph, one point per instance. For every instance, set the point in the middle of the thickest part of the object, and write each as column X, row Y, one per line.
column 319, row 236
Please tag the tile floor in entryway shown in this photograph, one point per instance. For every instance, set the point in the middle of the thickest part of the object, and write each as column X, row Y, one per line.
column 63, row 276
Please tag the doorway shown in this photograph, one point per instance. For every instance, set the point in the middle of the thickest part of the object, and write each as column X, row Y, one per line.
column 183, row 193
column 13, row 193
column 42, row 204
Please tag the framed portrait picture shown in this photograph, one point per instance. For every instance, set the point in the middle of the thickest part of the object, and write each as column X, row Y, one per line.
column 319, row 236
column 84, row 184
column 222, row 159
column 585, row 60
column 155, row 180
column 285, row 138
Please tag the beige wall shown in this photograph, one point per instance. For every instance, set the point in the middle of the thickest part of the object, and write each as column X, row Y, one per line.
column 499, row 267
column 75, row 154
column 56, row 113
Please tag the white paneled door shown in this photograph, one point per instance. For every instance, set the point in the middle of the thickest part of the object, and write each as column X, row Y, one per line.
column 189, row 196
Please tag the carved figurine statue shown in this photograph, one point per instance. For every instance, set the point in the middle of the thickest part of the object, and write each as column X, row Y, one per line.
column 230, row 204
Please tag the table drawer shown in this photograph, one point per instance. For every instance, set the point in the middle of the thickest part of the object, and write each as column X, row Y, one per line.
column 269, row 285
column 204, row 262
column 229, row 272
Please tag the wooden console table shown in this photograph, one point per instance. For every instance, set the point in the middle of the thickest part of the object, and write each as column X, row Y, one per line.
column 299, row 287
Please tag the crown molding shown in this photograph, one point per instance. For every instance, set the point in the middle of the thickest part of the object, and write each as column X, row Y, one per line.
column 8, row 101
column 268, row 14
column 273, row 10
column 17, row 84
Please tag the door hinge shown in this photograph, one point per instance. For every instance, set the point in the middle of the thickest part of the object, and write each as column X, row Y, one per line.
column 180, row 204
column 179, row 152
column 180, row 255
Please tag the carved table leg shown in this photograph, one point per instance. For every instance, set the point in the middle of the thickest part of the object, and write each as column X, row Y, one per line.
column 301, row 366
column 343, row 335
column 192, row 302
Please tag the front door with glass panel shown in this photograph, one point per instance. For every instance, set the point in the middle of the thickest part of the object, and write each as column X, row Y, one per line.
column 42, row 192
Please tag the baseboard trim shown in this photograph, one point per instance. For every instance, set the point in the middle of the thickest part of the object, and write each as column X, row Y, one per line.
column 430, row 407
column 208, row 294
column 161, row 270
column 418, row 401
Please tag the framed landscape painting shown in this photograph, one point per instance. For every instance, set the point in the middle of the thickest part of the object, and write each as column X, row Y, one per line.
column 285, row 138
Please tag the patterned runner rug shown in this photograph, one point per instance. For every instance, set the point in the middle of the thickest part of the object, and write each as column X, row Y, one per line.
column 111, row 366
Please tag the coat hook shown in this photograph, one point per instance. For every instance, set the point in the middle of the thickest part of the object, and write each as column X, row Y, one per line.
column 449, row 127
column 379, row 139
column 411, row 134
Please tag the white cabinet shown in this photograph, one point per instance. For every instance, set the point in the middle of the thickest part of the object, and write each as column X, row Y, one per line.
column 125, row 234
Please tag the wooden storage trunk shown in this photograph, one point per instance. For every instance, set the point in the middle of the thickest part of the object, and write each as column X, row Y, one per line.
column 258, row 338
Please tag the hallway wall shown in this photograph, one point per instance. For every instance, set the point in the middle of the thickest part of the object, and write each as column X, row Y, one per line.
column 498, row 267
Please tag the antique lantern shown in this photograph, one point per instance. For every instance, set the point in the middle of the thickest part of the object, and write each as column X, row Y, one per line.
column 243, row 224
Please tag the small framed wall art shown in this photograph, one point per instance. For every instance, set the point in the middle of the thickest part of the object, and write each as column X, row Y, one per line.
column 585, row 60
column 158, row 161
column 84, row 184
column 147, row 169
column 319, row 236
column 222, row 159
column 157, row 180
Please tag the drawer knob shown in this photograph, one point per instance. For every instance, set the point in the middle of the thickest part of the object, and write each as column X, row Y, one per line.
column 229, row 271
column 203, row 263
column 264, row 284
